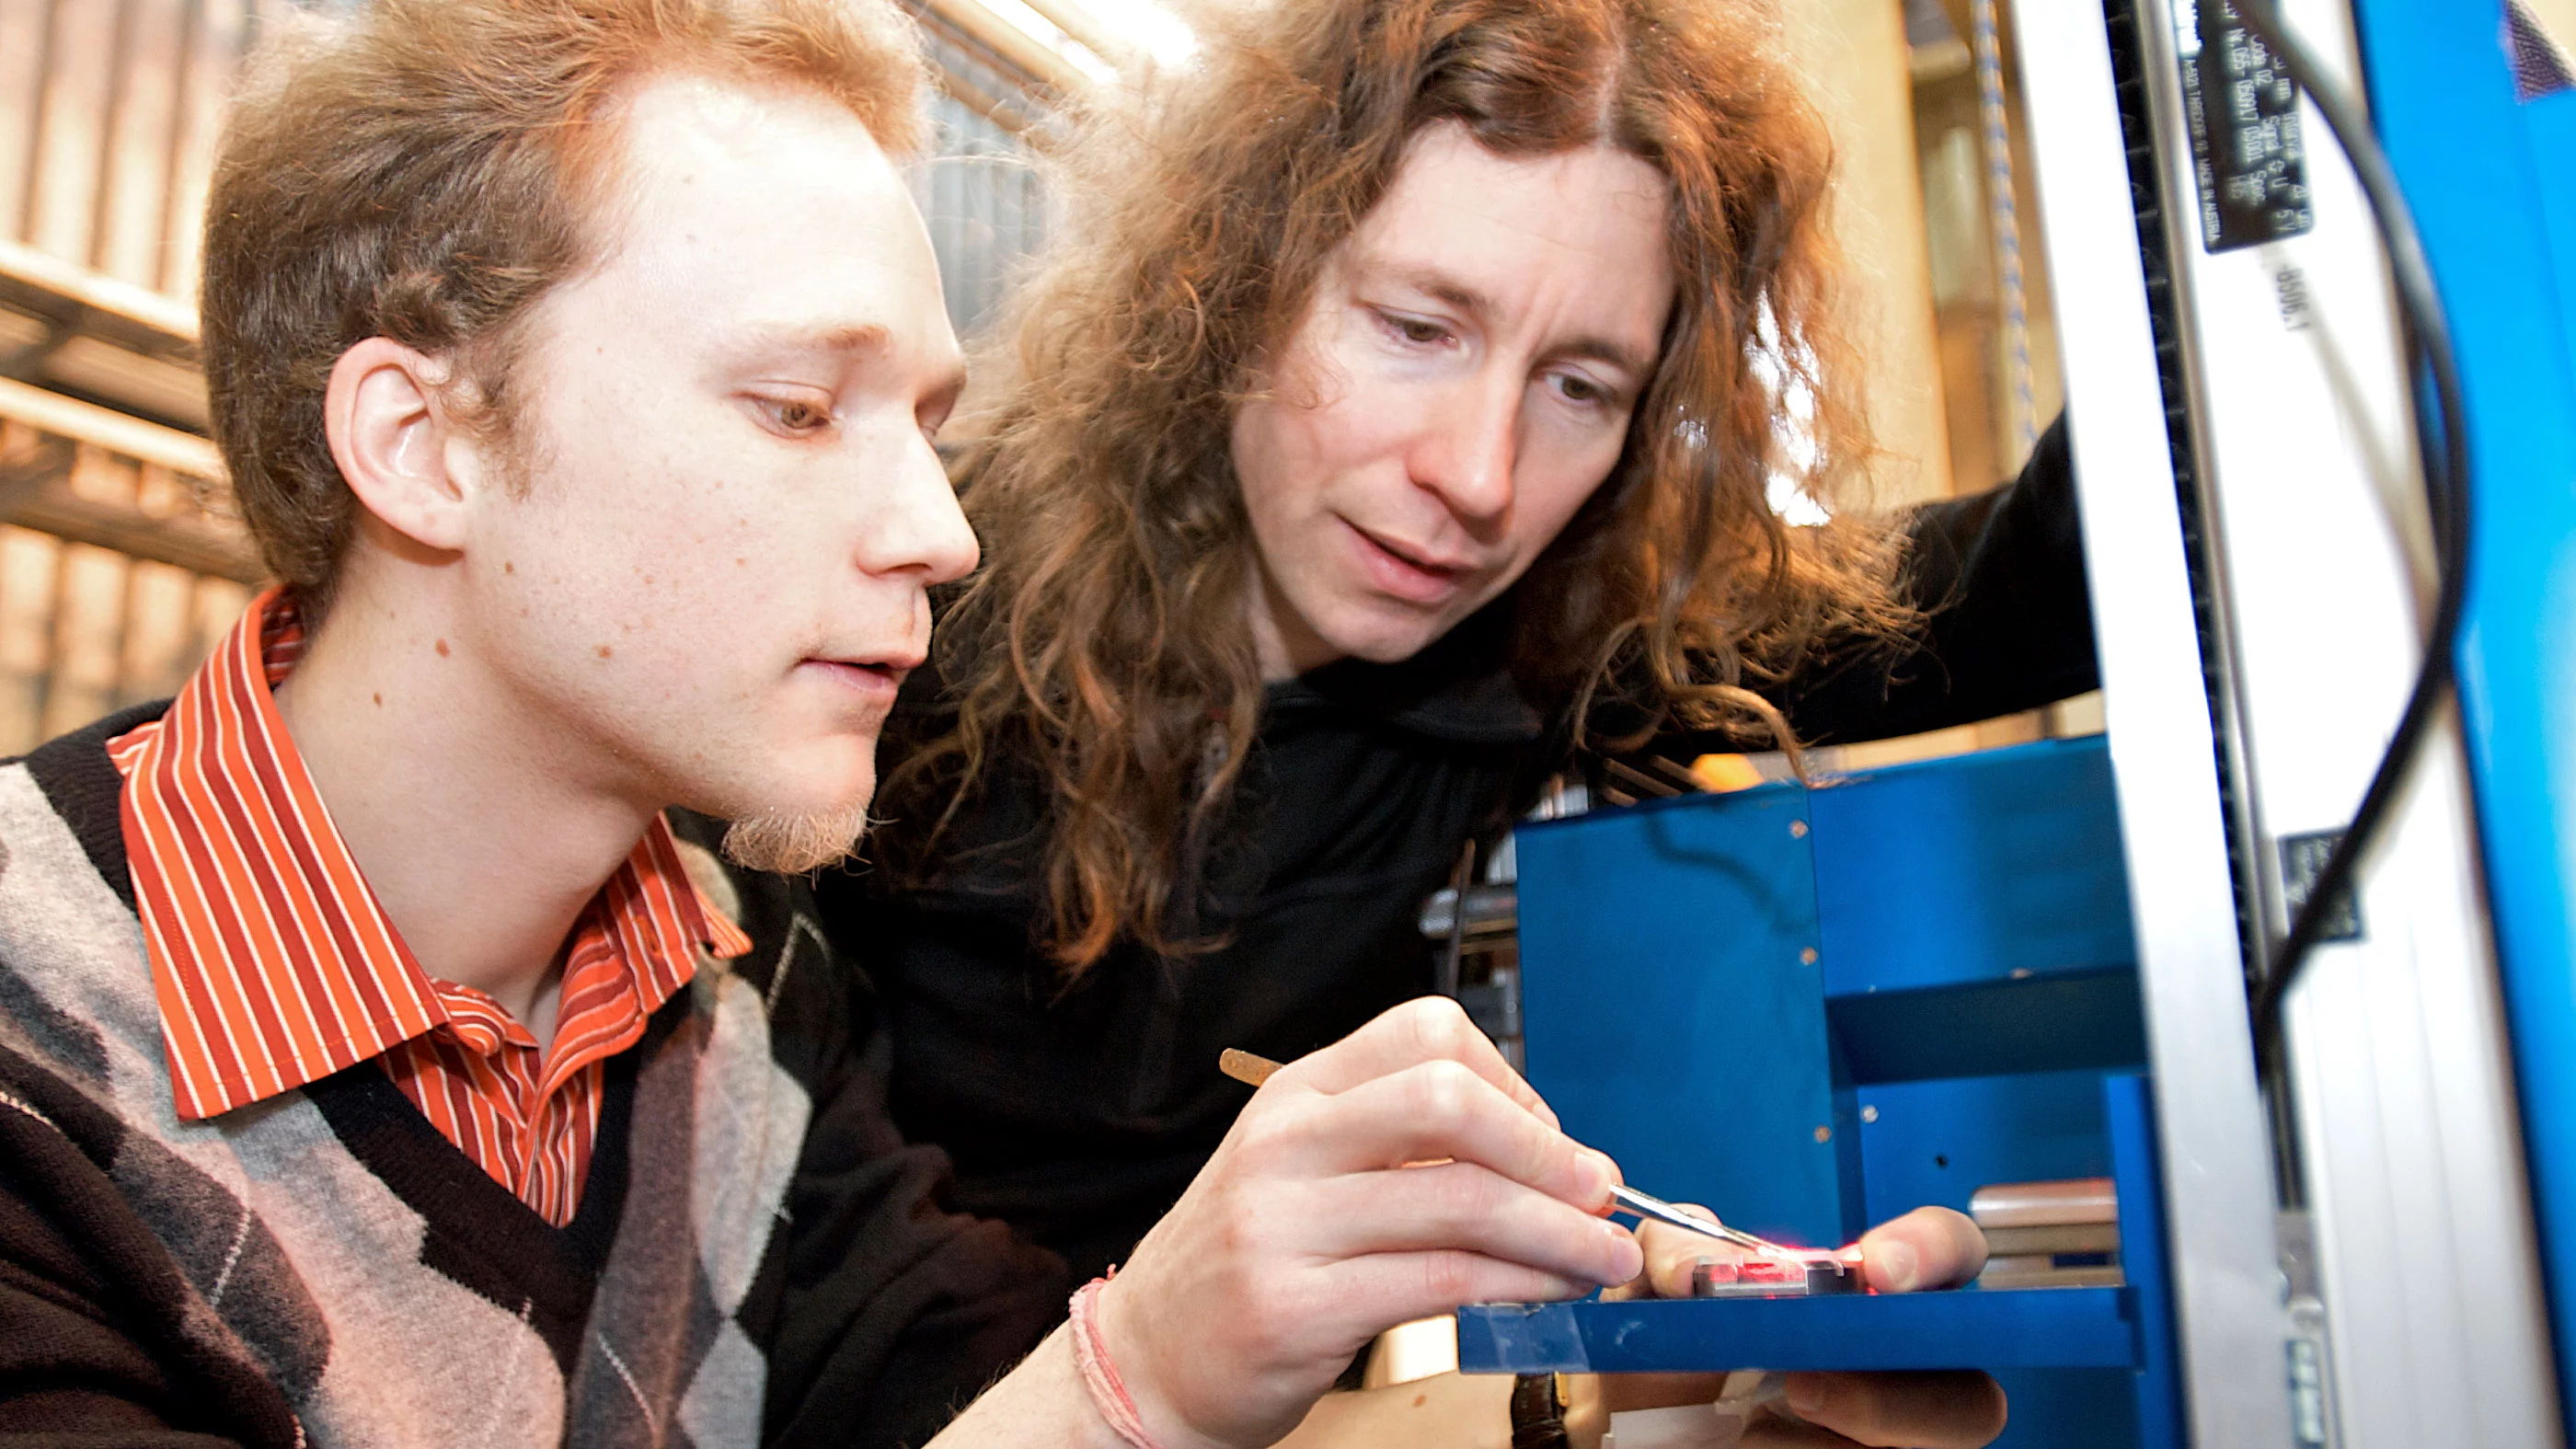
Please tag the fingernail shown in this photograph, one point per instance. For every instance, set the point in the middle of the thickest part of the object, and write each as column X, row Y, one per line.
column 1898, row 1267
column 1626, row 1250
column 1595, row 1175
column 1805, row 1392
column 1608, row 1170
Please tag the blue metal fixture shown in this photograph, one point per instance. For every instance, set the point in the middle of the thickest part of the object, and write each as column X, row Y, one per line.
column 1867, row 997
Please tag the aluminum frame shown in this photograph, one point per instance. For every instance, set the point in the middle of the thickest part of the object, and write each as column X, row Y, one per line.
column 2314, row 562
column 2311, row 493
column 2231, row 1325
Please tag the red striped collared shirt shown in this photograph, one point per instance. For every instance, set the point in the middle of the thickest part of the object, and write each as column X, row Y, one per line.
column 275, row 967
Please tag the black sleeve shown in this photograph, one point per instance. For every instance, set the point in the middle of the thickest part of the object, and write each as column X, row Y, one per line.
column 883, row 1312
column 95, row 1341
column 2009, row 623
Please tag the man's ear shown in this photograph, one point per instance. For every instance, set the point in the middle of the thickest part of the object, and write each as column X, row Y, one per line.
column 388, row 425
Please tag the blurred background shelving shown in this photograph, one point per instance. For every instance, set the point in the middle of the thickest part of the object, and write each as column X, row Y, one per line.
column 120, row 563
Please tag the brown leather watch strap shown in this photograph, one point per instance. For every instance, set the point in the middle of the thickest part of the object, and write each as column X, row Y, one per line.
column 1538, row 1413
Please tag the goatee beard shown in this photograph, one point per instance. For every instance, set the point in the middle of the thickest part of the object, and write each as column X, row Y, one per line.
column 793, row 844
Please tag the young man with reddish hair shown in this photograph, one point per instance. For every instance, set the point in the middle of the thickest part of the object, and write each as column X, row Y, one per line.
column 385, row 1056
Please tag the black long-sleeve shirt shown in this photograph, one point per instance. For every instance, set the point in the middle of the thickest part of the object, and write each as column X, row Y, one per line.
column 1078, row 1113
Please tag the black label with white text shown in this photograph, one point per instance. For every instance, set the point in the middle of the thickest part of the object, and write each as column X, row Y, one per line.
column 2248, row 156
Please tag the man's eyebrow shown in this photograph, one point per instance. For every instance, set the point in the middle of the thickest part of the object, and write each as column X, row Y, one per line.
column 1441, row 287
column 1448, row 290
column 857, row 337
column 1602, row 349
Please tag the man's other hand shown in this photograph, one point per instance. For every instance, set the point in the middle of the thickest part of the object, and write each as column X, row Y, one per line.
column 1927, row 1248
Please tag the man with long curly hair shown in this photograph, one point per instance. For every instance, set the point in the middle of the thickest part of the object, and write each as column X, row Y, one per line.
column 1397, row 417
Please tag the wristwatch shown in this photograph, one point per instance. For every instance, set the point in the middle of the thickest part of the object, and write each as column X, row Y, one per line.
column 1538, row 1412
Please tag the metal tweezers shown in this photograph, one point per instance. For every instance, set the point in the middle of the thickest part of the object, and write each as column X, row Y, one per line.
column 1629, row 1200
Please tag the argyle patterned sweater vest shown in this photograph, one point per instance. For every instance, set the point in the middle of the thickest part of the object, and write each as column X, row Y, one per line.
column 324, row 1268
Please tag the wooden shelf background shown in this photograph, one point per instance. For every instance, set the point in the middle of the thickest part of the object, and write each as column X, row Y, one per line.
column 120, row 561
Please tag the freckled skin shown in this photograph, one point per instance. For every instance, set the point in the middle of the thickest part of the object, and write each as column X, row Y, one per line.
column 729, row 305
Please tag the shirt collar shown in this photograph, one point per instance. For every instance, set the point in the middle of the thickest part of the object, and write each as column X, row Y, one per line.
column 272, row 961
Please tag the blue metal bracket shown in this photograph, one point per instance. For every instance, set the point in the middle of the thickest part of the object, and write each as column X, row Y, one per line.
column 1950, row 920
column 1868, row 997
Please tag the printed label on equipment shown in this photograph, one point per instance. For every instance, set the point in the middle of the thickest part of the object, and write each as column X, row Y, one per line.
column 2248, row 156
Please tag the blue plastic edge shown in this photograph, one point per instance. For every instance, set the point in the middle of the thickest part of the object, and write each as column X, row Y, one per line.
column 2128, row 1113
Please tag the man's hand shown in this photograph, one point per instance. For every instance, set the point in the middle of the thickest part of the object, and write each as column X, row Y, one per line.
column 1927, row 1248
column 1307, row 1234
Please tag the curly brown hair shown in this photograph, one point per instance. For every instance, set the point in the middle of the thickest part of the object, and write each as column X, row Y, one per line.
column 425, row 170
column 1106, row 644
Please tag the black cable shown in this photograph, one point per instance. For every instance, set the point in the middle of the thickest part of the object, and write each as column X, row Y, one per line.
column 2447, row 496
